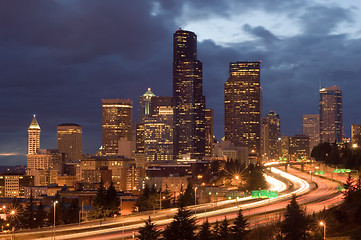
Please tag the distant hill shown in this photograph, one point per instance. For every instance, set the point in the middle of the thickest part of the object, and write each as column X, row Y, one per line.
column 18, row 170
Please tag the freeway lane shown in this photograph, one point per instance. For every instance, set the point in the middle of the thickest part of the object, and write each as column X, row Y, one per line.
column 256, row 211
column 130, row 222
column 271, row 209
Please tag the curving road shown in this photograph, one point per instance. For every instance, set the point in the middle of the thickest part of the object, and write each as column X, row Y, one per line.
column 258, row 211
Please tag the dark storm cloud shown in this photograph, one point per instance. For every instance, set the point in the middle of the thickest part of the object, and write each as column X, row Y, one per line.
column 58, row 59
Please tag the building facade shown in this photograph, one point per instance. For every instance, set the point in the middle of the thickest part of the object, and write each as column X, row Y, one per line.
column 158, row 136
column 116, row 124
column 189, row 102
column 330, row 107
column 271, row 136
column 242, row 103
column 33, row 136
column 145, row 103
column 209, row 132
column 356, row 134
column 311, row 128
column 69, row 141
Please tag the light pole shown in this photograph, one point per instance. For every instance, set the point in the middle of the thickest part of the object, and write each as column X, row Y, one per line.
column 323, row 224
column 160, row 199
column 195, row 195
column 55, row 202
column 12, row 213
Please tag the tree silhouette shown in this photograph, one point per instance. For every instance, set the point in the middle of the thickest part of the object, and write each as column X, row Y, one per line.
column 224, row 233
column 149, row 231
column 182, row 227
column 205, row 232
column 296, row 224
column 239, row 229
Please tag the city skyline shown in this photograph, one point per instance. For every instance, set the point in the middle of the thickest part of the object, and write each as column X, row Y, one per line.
column 57, row 73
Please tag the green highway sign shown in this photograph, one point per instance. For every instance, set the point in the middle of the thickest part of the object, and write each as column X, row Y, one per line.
column 264, row 194
column 273, row 194
column 255, row 193
column 348, row 170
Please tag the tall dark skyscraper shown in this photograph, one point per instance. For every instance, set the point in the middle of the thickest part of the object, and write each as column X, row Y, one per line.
column 271, row 136
column 242, row 106
column 330, row 107
column 116, row 125
column 189, row 102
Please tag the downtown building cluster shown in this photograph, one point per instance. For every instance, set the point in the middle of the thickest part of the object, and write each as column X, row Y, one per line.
column 173, row 136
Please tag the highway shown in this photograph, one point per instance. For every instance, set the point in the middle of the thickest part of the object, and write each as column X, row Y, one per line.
column 258, row 211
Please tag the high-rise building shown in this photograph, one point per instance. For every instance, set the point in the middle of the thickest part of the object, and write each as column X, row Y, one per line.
column 271, row 136
column 158, row 135
column 311, row 128
column 69, row 140
column 356, row 133
column 242, row 103
column 189, row 102
column 209, row 132
column 299, row 146
column 116, row 124
column 145, row 105
column 330, row 107
column 158, row 102
column 34, row 136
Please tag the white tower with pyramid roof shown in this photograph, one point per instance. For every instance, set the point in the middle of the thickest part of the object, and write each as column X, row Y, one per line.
column 34, row 136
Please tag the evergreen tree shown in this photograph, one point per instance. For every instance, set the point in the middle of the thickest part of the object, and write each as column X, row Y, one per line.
column 149, row 231
column 149, row 199
column 182, row 227
column 215, row 231
column 349, row 188
column 224, row 230
column 166, row 198
column 255, row 177
column 205, row 232
column 239, row 229
column 40, row 215
column 100, row 202
column 187, row 198
column 72, row 213
column 296, row 224
column 112, row 200
column 28, row 216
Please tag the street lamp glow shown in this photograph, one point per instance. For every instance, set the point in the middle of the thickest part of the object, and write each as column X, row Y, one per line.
column 55, row 202
column 323, row 224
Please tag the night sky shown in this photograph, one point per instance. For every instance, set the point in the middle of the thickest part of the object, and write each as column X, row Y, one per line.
column 59, row 58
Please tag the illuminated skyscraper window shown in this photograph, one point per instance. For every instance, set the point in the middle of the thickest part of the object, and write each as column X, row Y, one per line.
column 330, row 106
column 189, row 102
column 242, row 102
column 116, row 124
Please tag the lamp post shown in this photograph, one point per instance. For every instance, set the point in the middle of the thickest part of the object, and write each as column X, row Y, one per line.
column 55, row 202
column 160, row 199
column 323, row 224
column 195, row 195
column 12, row 213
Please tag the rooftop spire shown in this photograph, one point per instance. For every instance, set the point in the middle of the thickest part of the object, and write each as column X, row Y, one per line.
column 34, row 124
column 149, row 93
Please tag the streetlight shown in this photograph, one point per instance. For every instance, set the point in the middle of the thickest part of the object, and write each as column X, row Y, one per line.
column 55, row 202
column 195, row 195
column 12, row 213
column 323, row 224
